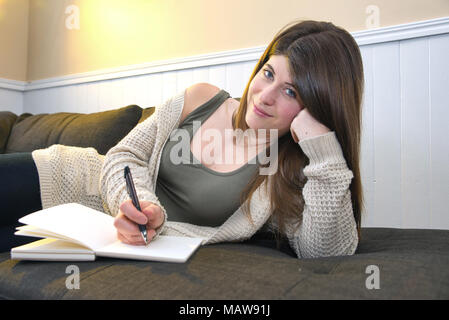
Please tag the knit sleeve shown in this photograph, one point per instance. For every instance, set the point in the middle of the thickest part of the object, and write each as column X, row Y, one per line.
column 136, row 150
column 328, row 227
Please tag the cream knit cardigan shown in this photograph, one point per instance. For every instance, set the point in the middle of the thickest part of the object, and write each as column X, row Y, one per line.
column 73, row 174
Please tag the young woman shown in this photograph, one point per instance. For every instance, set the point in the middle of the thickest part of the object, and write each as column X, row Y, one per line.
column 304, row 95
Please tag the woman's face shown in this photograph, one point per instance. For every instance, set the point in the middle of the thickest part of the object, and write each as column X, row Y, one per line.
column 271, row 92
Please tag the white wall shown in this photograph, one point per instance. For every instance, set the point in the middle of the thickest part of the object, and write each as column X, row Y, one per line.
column 405, row 149
column 405, row 153
column 10, row 98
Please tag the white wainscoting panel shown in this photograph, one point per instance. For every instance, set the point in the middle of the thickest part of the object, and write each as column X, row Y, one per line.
column 439, row 127
column 144, row 90
column 415, row 133
column 405, row 149
column 11, row 100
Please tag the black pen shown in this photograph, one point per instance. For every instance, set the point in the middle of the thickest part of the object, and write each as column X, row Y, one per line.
column 133, row 195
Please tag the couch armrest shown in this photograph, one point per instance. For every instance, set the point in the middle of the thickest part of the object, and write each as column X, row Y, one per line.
column 7, row 120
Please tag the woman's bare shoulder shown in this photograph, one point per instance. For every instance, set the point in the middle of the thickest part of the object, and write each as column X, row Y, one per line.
column 196, row 95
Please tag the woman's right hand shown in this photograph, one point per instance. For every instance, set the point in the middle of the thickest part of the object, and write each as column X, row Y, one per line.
column 127, row 220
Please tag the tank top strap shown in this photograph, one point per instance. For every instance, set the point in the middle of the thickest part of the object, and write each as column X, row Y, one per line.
column 206, row 109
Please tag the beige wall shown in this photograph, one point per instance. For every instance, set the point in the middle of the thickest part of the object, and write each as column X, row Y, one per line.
column 13, row 39
column 114, row 33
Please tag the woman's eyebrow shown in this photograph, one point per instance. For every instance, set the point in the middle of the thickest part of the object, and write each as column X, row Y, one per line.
column 272, row 70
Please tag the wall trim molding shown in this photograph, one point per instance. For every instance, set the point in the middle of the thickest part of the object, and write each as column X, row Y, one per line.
column 13, row 84
column 175, row 64
column 403, row 31
column 365, row 37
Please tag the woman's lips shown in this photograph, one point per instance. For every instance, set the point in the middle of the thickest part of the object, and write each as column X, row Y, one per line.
column 261, row 113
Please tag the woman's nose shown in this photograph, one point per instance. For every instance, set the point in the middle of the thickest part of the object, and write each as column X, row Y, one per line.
column 268, row 95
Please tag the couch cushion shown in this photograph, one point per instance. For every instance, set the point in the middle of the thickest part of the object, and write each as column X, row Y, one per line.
column 101, row 130
column 146, row 113
column 413, row 264
column 7, row 120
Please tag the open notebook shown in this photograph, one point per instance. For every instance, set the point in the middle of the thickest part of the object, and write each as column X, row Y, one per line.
column 74, row 232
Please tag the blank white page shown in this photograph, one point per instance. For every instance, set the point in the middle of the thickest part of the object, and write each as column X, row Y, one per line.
column 31, row 231
column 163, row 248
column 90, row 227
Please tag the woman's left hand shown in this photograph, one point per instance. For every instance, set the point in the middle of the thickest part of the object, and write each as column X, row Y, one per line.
column 305, row 126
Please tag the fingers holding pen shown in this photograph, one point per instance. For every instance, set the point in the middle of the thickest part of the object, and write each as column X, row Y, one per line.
column 131, row 212
column 128, row 231
column 134, row 239
column 143, row 215
column 154, row 215
column 151, row 214
column 124, row 225
column 127, row 220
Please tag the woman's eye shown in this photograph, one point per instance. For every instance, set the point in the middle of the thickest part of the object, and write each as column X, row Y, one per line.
column 268, row 74
column 291, row 93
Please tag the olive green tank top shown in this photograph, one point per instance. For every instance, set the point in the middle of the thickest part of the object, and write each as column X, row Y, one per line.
column 191, row 192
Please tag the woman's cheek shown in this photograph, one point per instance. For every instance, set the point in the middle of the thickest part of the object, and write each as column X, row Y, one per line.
column 287, row 118
column 292, row 113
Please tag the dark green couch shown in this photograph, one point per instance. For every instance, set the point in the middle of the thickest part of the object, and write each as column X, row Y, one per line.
column 410, row 264
column 100, row 130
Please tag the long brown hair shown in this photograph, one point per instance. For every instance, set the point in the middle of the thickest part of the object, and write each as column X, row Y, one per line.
column 327, row 72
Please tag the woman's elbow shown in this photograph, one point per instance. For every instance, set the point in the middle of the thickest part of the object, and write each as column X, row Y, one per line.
column 347, row 248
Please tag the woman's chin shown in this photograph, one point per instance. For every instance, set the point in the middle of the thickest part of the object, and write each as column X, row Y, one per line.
column 258, row 124
column 255, row 122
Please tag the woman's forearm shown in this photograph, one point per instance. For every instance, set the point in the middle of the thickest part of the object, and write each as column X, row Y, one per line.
column 134, row 151
column 328, row 226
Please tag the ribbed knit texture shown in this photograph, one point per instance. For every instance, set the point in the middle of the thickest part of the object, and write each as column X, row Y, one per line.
column 71, row 174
